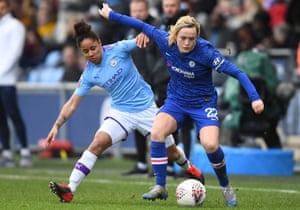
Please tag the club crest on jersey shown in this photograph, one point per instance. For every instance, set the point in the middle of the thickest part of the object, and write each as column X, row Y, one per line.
column 113, row 62
column 192, row 64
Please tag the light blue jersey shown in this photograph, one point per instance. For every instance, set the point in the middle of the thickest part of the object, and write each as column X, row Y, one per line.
column 118, row 75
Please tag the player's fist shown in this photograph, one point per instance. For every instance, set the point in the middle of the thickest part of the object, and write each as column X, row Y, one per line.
column 258, row 106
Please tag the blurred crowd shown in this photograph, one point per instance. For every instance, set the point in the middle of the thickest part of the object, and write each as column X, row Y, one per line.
column 50, row 47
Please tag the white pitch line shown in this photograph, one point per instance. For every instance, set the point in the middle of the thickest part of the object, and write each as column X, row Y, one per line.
column 108, row 181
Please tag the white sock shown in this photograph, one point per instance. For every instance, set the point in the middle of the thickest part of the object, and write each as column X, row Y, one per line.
column 81, row 169
column 182, row 161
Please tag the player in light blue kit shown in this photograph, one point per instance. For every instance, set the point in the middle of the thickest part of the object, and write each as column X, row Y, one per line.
column 190, row 61
column 111, row 67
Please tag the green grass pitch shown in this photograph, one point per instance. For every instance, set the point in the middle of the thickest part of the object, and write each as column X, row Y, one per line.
column 105, row 188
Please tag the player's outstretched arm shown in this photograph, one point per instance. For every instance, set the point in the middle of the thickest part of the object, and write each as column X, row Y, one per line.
column 107, row 13
column 67, row 110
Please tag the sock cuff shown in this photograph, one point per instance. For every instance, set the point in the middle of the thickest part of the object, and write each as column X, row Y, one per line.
column 156, row 144
column 89, row 155
column 217, row 156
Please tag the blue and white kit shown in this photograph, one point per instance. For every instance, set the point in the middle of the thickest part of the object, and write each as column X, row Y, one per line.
column 190, row 90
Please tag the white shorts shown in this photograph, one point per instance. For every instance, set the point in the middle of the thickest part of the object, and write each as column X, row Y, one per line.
column 119, row 124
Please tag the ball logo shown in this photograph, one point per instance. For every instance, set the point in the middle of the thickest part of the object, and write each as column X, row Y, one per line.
column 181, row 192
column 113, row 62
column 192, row 64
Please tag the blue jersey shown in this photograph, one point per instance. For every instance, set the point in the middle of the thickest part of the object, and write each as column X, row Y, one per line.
column 191, row 73
column 118, row 75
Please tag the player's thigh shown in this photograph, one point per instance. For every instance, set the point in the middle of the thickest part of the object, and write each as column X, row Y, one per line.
column 117, row 129
column 164, row 125
column 144, row 119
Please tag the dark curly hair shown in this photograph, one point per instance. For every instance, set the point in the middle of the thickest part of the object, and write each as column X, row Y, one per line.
column 84, row 31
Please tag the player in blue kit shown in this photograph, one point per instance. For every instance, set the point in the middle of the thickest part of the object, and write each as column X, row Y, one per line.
column 132, row 108
column 190, row 61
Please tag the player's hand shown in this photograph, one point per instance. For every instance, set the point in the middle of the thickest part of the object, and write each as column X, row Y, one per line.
column 142, row 40
column 258, row 106
column 104, row 11
column 52, row 135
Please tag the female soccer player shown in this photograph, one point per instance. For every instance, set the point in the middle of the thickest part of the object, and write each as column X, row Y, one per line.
column 111, row 67
column 190, row 61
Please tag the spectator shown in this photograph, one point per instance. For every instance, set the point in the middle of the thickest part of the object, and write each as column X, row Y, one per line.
column 262, row 30
column 277, row 13
column 70, row 64
column 281, row 36
column 199, row 6
column 256, row 64
column 200, row 10
column 238, row 12
column 293, row 20
column 51, row 71
column 217, row 31
column 34, row 52
column 25, row 11
column 46, row 21
column 64, row 32
column 12, row 37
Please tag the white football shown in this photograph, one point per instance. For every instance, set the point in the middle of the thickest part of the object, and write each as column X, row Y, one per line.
column 190, row 192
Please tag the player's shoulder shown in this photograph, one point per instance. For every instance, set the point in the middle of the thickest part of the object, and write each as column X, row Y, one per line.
column 204, row 44
column 119, row 46
column 88, row 68
column 109, row 47
column 203, row 49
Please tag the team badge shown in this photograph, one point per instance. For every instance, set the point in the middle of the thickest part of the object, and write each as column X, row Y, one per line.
column 192, row 64
column 113, row 62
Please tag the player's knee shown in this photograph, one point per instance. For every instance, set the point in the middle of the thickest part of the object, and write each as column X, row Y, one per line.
column 158, row 136
column 210, row 147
